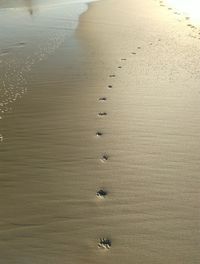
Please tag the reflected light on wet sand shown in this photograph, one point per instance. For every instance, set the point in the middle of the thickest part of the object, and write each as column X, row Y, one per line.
column 188, row 7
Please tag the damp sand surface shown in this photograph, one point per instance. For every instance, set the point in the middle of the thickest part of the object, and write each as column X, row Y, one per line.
column 141, row 154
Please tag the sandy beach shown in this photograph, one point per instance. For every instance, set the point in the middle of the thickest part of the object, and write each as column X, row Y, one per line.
column 100, row 148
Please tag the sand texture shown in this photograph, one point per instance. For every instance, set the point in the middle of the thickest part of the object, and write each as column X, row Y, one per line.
column 100, row 158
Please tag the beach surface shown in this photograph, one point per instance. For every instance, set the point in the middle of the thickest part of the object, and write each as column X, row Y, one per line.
column 102, row 140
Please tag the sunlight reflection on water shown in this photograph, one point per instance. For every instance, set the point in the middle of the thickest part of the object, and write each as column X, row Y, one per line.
column 32, row 31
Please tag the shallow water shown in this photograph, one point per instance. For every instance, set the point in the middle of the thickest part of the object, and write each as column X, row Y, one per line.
column 31, row 31
column 42, row 131
column 51, row 157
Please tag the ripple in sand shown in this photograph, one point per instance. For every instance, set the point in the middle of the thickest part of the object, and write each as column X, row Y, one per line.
column 104, row 243
column 20, row 45
column 101, row 193
column 4, row 52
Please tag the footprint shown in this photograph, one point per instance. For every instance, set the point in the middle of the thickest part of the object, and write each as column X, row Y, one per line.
column 102, row 99
column 99, row 134
column 109, row 86
column 101, row 193
column 112, row 75
column 133, row 53
column 123, row 59
column 102, row 113
column 104, row 243
column 138, row 47
column 104, row 158
column 119, row 67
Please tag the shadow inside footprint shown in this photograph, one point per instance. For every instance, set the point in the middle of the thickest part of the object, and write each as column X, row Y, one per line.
column 112, row 75
column 123, row 59
column 102, row 113
column 102, row 99
column 104, row 158
column 101, row 193
column 109, row 86
column 119, row 67
column 104, row 243
column 99, row 134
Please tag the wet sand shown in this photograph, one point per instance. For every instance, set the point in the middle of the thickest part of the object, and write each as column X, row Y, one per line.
column 114, row 180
